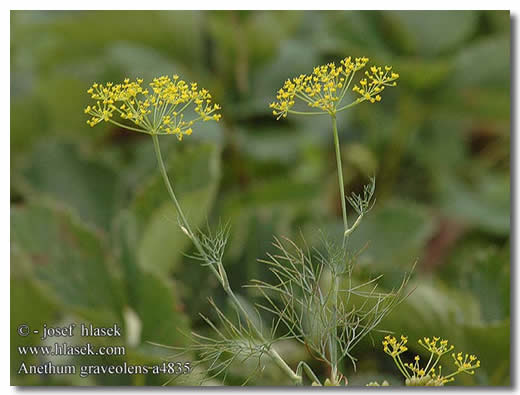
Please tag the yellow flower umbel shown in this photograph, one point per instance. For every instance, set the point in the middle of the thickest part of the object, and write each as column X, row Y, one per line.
column 428, row 375
column 327, row 86
column 324, row 91
column 159, row 109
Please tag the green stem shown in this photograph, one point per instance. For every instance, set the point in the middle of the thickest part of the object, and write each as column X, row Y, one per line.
column 169, row 187
column 350, row 105
column 436, row 362
column 221, row 273
column 333, row 346
column 302, row 366
column 307, row 112
column 335, row 284
column 127, row 127
column 401, row 367
column 340, row 173
column 428, row 364
column 353, row 227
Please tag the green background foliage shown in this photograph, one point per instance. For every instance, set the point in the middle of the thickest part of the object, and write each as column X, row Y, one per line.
column 95, row 239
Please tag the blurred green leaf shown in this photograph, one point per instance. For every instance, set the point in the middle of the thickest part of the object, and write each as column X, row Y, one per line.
column 433, row 32
column 491, row 343
column 357, row 29
column 69, row 261
column 58, row 170
column 484, row 204
column 479, row 267
column 165, row 323
column 30, row 306
column 484, row 63
column 396, row 232
column 420, row 74
column 29, row 122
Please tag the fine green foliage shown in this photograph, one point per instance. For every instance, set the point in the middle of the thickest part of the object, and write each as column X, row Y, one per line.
column 300, row 301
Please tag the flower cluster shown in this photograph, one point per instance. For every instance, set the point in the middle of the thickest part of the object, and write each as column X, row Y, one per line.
column 392, row 347
column 158, row 110
column 429, row 374
column 375, row 83
column 466, row 364
column 327, row 86
column 438, row 349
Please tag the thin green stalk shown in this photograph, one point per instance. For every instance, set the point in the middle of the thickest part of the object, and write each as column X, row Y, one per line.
column 350, row 105
column 436, row 361
column 333, row 346
column 169, row 187
column 428, row 364
column 353, row 227
column 401, row 367
column 340, row 173
column 302, row 366
column 335, row 282
column 128, row 127
column 221, row 274
column 307, row 112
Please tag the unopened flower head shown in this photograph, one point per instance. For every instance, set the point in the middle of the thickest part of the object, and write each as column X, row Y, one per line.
column 159, row 109
column 326, row 87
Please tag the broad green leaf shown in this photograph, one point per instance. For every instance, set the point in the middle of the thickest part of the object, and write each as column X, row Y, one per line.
column 432, row 32
column 484, row 204
column 484, row 64
column 251, row 37
column 141, row 61
column 68, row 260
column 479, row 267
column 444, row 134
column 358, row 29
column 396, row 233
column 29, row 306
column 160, row 309
column 491, row 343
column 29, row 121
column 61, row 172
column 176, row 32
column 64, row 107
column 422, row 74
column 163, row 322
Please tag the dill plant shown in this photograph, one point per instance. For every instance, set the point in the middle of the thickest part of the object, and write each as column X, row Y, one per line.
column 328, row 319
column 161, row 110
column 326, row 92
